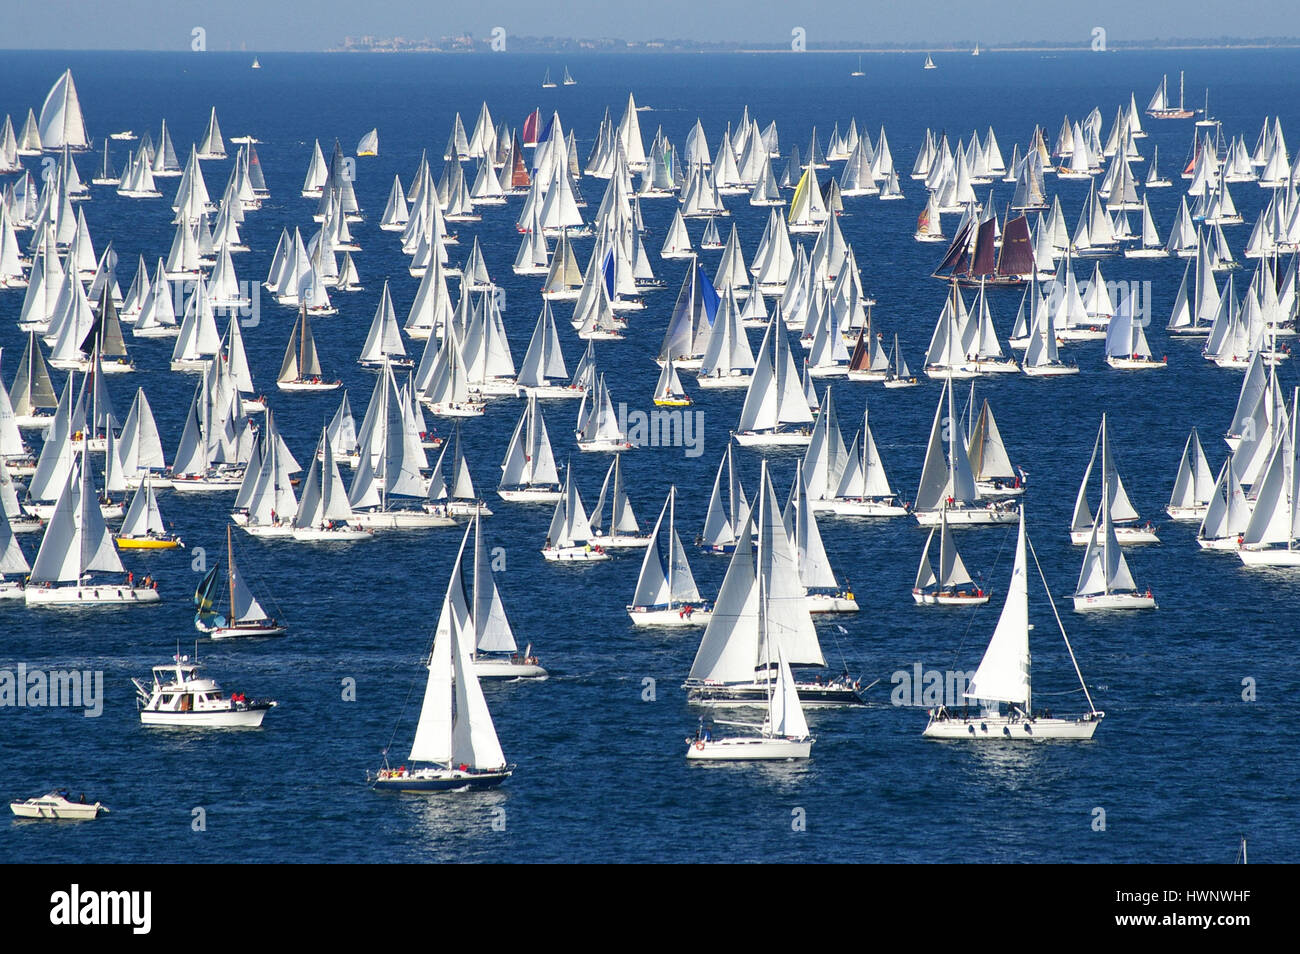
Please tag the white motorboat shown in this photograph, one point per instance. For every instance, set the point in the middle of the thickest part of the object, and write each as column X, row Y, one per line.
column 180, row 697
column 58, row 805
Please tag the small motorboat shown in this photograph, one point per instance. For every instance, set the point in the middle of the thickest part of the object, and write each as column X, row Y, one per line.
column 58, row 805
column 179, row 696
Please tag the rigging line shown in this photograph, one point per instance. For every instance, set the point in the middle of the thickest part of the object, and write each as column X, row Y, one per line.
column 1061, row 625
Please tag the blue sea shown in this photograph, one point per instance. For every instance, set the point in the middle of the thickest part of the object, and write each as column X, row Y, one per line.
column 1181, row 768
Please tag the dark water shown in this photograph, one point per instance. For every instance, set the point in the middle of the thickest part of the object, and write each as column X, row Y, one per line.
column 1181, row 765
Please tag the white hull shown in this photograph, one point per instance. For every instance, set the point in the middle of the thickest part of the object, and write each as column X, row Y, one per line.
column 507, row 669
column 1219, row 543
column 733, row 380
column 773, row 439
column 531, row 495
column 237, row 632
column 1113, row 601
column 748, row 749
column 56, row 809
column 1127, row 536
column 1050, row 370
column 554, row 392
column 584, row 554
column 89, row 595
column 1135, row 364
column 989, row 489
column 622, row 542
column 828, row 603
column 676, row 616
column 401, row 519
column 604, row 446
column 1000, row 727
column 1269, row 557
column 1187, row 513
column 967, row 516
column 339, row 535
column 308, row 386
column 844, row 507
column 230, row 719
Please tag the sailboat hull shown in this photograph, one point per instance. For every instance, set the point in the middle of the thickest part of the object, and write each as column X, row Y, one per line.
column 849, row 507
column 575, row 554
column 1219, row 543
column 830, row 603
column 1187, row 513
column 735, row 379
column 1127, row 536
column 774, row 438
column 424, row 781
column 967, row 516
column 402, row 519
column 1002, row 728
column 537, row 495
column 670, row 616
column 1269, row 557
column 89, row 595
column 1088, row 603
column 511, row 668
column 744, row 749
column 622, row 542
column 811, row 694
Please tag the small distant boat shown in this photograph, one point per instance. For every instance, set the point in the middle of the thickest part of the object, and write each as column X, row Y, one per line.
column 858, row 71
column 568, row 78
column 244, row 615
column 899, row 375
column 58, row 805
column 570, row 538
column 929, row 63
column 124, row 134
column 180, row 697
column 666, row 594
column 143, row 528
column 369, row 144
column 976, row 51
column 953, row 586
column 300, row 370
column 547, row 82
column 669, row 391
column 1206, row 119
column 1159, row 107
column 256, row 65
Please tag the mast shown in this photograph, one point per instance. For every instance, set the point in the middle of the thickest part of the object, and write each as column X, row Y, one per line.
column 230, row 576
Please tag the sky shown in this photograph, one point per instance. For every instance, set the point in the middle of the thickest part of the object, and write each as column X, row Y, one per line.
column 269, row 25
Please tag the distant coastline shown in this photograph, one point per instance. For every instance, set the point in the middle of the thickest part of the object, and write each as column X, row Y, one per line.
column 467, row 43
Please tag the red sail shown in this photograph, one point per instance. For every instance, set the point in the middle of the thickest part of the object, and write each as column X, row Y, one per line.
column 530, row 127
column 985, row 259
column 1017, row 256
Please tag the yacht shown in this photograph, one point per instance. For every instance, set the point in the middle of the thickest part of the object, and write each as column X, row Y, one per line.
column 179, row 696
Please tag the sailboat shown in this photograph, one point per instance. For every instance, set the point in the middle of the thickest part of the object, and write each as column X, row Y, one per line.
column 947, row 491
column 301, row 370
column 949, row 587
column 369, row 144
column 1126, row 341
column 1206, row 119
column 761, row 610
column 598, row 427
column 244, row 614
column 1123, row 516
column 1194, row 485
column 1159, row 107
column 324, row 514
column 256, row 64
column 1003, row 676
column 899, row 375
column 1105, row 582
column 12, row 560
column 668, row 389
column 528, row 472
column 725, row 518
column 863, row 488
column 547, row 82
column 455, row 746
column 624, row 533
column 1272, row 537
column 568, row 78
column 1228, row 513
column 858, row 71
column 143, row 528
column 666, row 594
column 76, row 544
column 929, row 63
column 776, row 409
column 570, row 538
column 784, row 733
